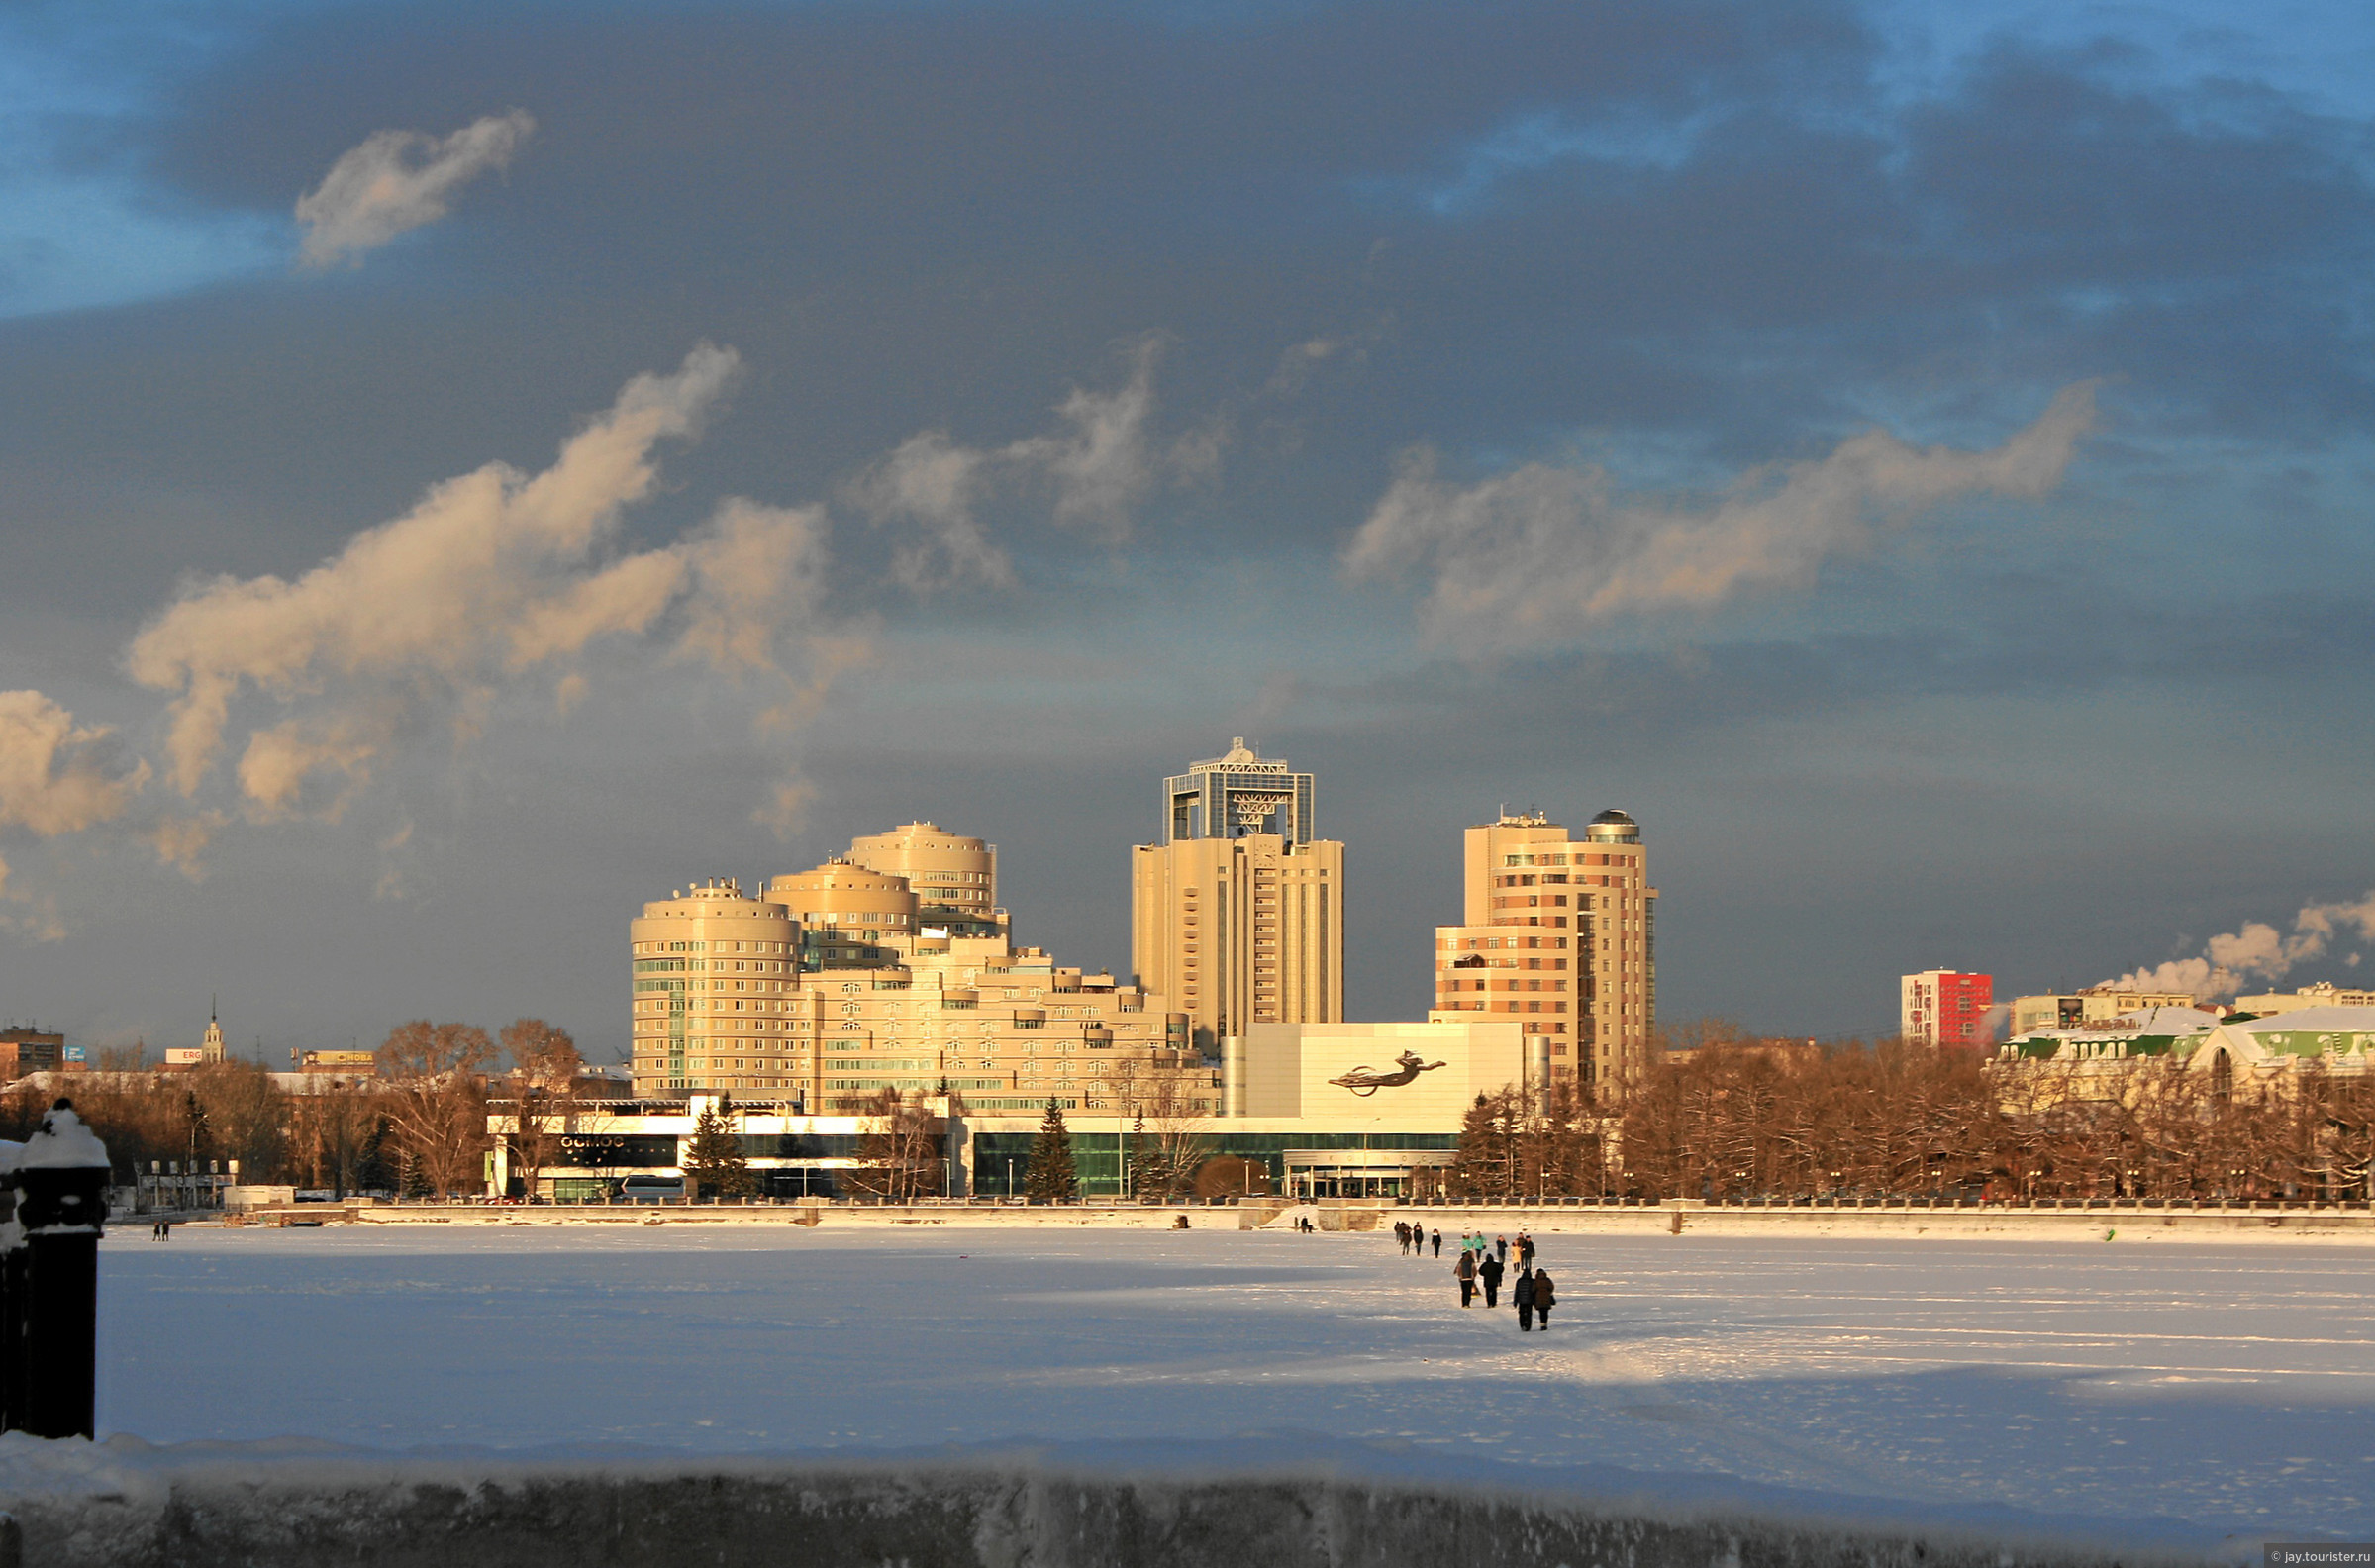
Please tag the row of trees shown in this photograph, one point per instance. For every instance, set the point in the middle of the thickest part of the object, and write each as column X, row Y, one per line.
column 1739, row 1120
column 418, row 1125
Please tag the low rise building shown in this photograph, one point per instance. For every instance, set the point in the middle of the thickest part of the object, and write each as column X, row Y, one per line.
column 2064, row 1010
column 1321, row 1109
column 2324, row 993
column 27, row 1050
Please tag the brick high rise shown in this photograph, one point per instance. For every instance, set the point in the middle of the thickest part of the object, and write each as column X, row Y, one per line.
column 1564, row 933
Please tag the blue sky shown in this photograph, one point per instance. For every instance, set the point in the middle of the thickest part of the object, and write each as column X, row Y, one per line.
column 1560, row 405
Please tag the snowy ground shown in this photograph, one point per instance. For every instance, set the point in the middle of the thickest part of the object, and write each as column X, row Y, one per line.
column 2195, row 1392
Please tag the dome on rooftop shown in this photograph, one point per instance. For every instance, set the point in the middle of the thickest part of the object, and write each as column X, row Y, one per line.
column 1612, row 826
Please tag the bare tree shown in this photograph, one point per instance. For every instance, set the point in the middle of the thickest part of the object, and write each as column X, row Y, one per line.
column 437, row 1100
column 543, row 1091
column 1174, row 1132
column 898, row 1150
column 331, row 1128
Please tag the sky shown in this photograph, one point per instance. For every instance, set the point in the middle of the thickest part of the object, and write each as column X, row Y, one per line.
column 466, row 472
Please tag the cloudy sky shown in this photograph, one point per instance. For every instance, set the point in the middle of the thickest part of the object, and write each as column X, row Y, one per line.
column 465, row 470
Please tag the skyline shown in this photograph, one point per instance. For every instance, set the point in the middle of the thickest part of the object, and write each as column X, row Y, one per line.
column 463, row 475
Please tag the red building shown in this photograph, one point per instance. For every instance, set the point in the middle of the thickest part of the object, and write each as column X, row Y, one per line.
column 1944, row 1007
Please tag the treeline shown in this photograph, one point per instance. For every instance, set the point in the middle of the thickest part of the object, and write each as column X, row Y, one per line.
column 1736, row 1119
column 417, row 1125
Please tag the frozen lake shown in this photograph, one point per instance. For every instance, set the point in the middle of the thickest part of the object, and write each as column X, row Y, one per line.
column 2228, row 1387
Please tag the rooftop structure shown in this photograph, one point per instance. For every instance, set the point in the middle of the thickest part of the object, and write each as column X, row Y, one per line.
column 1233, row 796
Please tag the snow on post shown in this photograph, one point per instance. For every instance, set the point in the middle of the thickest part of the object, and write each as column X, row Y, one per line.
column 56, row 1182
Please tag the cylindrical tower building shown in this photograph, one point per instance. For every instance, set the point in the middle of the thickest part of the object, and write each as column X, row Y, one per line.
column 712, row 967
column 954, row 878
column 845, row 912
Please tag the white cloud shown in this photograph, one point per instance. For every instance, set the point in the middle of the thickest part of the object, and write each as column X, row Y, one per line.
column 493, row 579
column 2257, row 952
column 930, row 481
column 58, row 776
column 398, row 180
column 1538, row 555
column 1093, row 471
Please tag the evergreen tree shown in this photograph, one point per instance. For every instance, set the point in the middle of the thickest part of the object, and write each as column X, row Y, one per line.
column 1051, row 1174
column 1485, row 1162
column 714, row 1163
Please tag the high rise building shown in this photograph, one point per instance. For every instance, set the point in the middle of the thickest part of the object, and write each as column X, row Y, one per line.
column 714, row 968
column 1237, row 916
column 1944, row 1007
column 1564, row 933
column 839, row 982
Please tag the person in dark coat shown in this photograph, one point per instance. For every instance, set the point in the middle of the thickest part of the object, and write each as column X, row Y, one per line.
column 1402, row 1235
column 1465, row 1272
column 1521, row 1294
column 1439, row 1243
column 1501, row 1249
column 1544, row 1298
column 1488, row 1274
column 1524, row 1250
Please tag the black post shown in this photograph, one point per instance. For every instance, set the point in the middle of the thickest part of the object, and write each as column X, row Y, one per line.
column 52, row 1278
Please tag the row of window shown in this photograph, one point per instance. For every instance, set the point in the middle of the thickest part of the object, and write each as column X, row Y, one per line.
column 1560, row 860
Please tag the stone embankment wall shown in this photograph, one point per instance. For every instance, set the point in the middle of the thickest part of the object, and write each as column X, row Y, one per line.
column 408, row 1514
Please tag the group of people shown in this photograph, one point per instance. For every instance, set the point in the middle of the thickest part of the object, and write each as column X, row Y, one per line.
column 1484, row 1263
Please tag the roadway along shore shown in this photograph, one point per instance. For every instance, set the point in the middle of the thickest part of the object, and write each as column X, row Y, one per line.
column 2302, row 1222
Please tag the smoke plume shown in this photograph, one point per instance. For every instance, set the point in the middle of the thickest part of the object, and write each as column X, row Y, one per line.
column 398, row 180
column 1544, row 552
column 2258, row 951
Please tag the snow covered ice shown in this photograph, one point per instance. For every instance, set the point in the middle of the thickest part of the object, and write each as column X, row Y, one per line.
column 2196, row 1391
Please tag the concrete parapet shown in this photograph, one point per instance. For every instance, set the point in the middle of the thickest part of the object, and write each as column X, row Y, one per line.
column 400, row 1514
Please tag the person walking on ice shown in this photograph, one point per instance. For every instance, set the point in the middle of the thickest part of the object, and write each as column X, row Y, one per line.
column 1465, row 1272
column 1487, row 1273
column 1521, row 1296
column 1439, row 1243
column 1544, row 1298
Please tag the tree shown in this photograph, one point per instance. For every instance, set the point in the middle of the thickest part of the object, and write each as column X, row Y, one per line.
column 1051, row 1175
column 436, row 1100
column 333, row 1129
column 1226, row 1176
column 1170, row 1138
column 898, row 1152
column 1484, row 1163
column 542, row 1088
column 714, row 1162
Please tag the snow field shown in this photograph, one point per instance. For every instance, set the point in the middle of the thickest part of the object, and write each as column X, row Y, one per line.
column 2219, row 1390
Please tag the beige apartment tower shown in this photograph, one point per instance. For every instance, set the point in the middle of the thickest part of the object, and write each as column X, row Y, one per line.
column 1238, row 917
column 1562, row 933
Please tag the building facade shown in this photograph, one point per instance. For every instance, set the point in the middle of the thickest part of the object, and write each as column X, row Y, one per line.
column 1944, row 1007
column 2067, row 1010
column 25, row 1052
column 954, row 878
column 833, row 986
column 1319, row 1109
column 1237, row 916
column 2324, row 993
column 1563, row 933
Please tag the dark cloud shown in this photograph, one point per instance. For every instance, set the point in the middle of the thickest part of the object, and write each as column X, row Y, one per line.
column 1686, row 240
